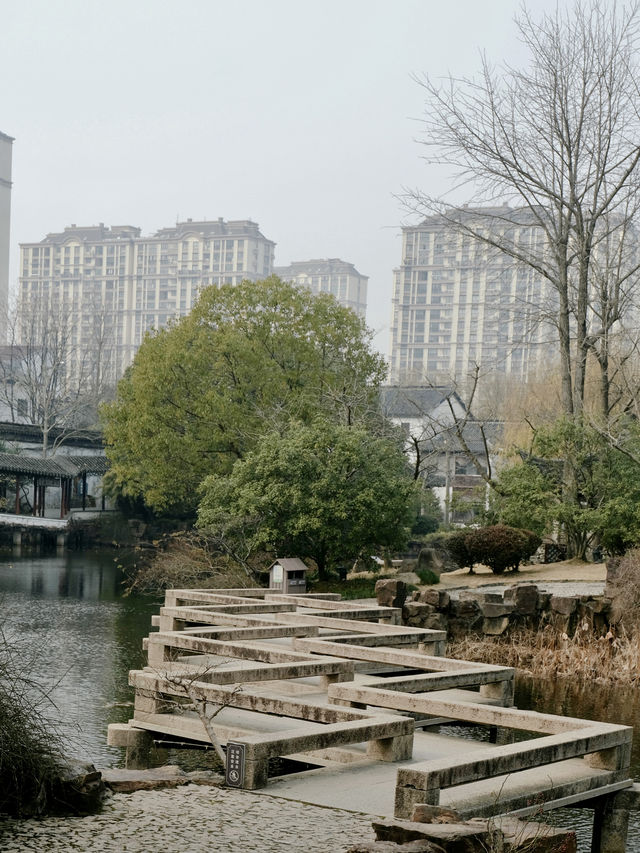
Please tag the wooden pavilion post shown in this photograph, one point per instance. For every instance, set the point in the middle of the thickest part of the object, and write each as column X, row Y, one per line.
column 34, row 509
column 17, row 507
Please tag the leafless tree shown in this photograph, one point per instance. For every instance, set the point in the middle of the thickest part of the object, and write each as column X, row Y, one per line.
column 559, row 141
column 49, row 377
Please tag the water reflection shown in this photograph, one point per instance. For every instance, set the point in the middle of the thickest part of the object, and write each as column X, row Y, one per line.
column 75, row 633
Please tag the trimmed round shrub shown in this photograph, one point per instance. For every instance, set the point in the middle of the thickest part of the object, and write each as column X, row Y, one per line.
column 501, row 547
column 458, row 549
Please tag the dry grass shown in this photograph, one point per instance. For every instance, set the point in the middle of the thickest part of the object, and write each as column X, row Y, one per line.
column 551, row 654
column 184, row 561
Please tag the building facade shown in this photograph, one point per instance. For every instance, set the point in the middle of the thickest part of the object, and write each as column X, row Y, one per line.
column 6, row 151
column 112, row 285
column 330, row 275
column 459, row 303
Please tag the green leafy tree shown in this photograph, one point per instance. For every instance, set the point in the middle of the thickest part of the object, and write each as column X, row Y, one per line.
column 603, row 504
column 244, row 362
column 326, row 492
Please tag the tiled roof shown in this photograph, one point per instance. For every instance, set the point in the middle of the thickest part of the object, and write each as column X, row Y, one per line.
column 413, row 401
column 58, row 466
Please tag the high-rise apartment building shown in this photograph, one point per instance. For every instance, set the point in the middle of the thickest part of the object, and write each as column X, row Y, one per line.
column 115, row 285
column 330, row 275
column 458, row 302
column 6, row 150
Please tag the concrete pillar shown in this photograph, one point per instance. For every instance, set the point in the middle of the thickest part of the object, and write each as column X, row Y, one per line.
column 17, row 540
column 399, row 748
column 335, row 678
column 61, row 541
column 256, row 774
column 138, row 743
column 500, row 690
column 610, row 824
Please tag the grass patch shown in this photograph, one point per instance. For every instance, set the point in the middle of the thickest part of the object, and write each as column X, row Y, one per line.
column 348, row 589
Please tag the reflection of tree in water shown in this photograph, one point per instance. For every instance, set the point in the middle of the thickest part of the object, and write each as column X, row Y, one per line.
column 591, row 702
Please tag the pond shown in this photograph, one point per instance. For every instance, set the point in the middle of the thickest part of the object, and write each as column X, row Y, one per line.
column 77, row 634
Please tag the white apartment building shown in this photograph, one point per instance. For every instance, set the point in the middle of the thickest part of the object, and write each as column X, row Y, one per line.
column 458, row 302
column 114, row 285
column 330, row 275
column 6, row 150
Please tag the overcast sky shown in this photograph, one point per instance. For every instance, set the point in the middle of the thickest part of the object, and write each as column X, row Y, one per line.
column 301, row 116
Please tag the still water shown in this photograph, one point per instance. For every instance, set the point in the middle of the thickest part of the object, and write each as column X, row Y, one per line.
column 75, row 633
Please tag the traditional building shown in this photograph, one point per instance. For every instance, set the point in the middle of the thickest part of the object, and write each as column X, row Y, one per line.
column 112, row 285
column 449, row 449
column 333, row 276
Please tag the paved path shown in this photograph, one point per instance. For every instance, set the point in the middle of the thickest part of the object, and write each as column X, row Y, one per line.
column 193, row 818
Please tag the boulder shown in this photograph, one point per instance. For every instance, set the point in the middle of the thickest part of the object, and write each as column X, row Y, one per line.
column 491, row 610
column 428, row 558
column 564, row 604
column 416, row 614
column 79, row 788
column 495, row 626
column 524, row 597
column 391, row 593
column 439, row 598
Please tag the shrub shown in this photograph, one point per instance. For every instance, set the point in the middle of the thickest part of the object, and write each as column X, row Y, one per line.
column 427, row 576
column 29, row 746
column 500, row 547
column 458, row 549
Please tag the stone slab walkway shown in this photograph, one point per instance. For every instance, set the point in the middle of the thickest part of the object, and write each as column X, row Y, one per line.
column 195, row 819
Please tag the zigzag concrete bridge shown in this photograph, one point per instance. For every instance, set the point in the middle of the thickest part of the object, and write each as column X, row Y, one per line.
column 359, row 699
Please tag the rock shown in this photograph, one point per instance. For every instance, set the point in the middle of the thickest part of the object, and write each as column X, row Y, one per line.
column 450, row 837
column 428, row 558
column 416, row 614
column 169, row 776
column 439, row 598
column 391, row 593
column 564, row 604
column 437, row 622
column 465, row 607
column 423, row 813
column 490, row 610
column 496, row 626
column 409, row 578
column 530, row 836
column 79, row 788
column 524, row 597
column 488, row 597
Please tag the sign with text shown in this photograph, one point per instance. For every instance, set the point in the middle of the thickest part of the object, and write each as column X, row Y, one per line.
column 235, row 764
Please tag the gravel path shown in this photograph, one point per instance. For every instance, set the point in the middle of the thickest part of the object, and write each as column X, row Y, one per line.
column 192, row 819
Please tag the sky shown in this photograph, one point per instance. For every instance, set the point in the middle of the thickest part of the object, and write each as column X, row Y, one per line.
column 304, row 117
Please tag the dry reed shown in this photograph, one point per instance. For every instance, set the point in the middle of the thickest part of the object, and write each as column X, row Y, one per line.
column 609, row 659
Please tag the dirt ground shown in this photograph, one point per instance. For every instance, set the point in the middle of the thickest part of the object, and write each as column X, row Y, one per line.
column 568, row 570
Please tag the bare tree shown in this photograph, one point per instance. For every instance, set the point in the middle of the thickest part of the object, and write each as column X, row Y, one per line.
column 559, row 139
column 49, row 377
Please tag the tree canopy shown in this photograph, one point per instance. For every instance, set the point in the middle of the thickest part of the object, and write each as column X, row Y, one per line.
column 325, row 491
column 245, row 361
column 604, row 479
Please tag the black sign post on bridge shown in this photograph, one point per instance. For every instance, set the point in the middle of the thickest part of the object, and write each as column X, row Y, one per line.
column 235, row 764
